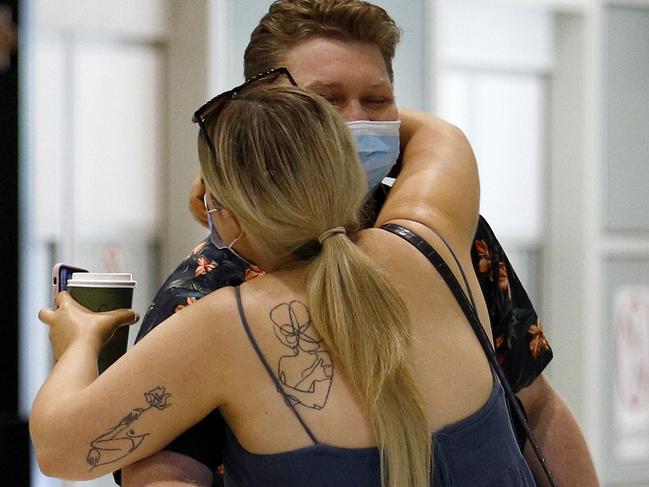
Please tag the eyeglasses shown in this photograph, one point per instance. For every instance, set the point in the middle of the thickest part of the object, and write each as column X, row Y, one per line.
column 215, row 105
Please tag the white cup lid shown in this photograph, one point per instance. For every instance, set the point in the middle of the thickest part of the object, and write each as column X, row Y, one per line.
column 101, row 279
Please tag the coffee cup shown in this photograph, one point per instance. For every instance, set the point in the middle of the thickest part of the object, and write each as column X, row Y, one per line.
column 105, row 292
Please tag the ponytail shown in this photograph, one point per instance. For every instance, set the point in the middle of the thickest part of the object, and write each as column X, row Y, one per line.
column 365, row 325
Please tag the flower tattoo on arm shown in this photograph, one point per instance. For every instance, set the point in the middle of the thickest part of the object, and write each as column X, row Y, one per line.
column 122, row 439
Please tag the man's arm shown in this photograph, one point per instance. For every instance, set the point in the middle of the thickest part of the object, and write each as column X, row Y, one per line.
column 191, row 459
column 167, row 469
column 559, row 437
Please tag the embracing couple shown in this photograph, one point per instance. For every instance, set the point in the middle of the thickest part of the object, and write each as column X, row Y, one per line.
column 318, row 336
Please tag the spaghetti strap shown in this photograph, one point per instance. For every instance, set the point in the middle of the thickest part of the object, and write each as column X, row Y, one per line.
column 272, row 375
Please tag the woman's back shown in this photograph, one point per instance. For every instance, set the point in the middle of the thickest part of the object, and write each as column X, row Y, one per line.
column 448, row 364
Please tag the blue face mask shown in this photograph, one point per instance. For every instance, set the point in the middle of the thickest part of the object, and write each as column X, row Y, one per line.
column 377, row 144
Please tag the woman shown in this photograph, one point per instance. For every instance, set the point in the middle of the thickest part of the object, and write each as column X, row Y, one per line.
column 336, row 350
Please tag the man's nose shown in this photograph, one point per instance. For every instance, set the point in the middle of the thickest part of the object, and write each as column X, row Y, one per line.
column 354, row 111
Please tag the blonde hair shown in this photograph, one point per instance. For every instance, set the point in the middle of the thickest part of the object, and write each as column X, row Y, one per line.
column 286, row 166
column 288, row 23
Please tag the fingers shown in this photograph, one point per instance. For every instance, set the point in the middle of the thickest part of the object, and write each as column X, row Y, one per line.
column 123, row 317
column 197, row 209
column 196, row 205
column 46, row 316
column 63, row 298
column 64, row 301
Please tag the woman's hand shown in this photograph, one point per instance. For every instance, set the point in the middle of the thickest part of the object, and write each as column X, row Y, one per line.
column 196, row 203
column 71, row 322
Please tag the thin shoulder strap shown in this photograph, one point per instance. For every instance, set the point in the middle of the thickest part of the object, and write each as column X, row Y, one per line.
column 469, row 310
column 262, row 358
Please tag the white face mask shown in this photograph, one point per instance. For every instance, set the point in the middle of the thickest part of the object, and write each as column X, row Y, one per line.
column 214, row 233
column 377, row 144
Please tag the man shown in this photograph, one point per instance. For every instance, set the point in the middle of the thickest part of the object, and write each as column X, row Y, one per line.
column 343, row 51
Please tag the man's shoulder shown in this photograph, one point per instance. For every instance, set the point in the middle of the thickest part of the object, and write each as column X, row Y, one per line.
column 203, row 271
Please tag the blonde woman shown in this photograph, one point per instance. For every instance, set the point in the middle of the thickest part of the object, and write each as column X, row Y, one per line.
column 339, row 366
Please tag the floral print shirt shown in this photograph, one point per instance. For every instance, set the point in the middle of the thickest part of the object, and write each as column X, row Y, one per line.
column 521, row 346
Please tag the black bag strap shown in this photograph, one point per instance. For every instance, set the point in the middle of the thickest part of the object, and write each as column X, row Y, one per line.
column 469, row 309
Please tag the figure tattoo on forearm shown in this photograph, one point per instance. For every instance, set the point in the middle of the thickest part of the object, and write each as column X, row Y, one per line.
column 122, row 439
column 306, row 373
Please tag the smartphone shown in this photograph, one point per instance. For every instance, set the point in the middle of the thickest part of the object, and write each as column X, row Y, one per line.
column 60, row 275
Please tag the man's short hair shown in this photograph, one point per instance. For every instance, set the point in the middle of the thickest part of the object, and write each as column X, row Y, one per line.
column 291, row 22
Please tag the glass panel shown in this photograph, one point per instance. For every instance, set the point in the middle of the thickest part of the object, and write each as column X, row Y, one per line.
column 117, row 144
column 501, row 36
column 47, row 137
column 508, row 136
column 502, row 115
column 627, row 121
column 454, row 102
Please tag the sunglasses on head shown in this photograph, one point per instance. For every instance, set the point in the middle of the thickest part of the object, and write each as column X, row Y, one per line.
column 213, row 107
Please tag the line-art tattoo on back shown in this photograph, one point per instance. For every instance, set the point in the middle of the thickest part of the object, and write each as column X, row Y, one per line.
column 307, row 373
column 122, row 439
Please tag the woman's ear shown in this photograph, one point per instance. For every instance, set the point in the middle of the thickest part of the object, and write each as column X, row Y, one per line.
column 230, row 220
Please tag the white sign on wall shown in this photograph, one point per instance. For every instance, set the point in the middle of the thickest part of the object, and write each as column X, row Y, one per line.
column 631, row 401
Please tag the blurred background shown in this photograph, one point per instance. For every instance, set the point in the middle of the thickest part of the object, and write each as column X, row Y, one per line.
column 98, row 153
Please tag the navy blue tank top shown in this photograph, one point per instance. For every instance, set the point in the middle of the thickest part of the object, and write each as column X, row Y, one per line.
column 480, row 450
